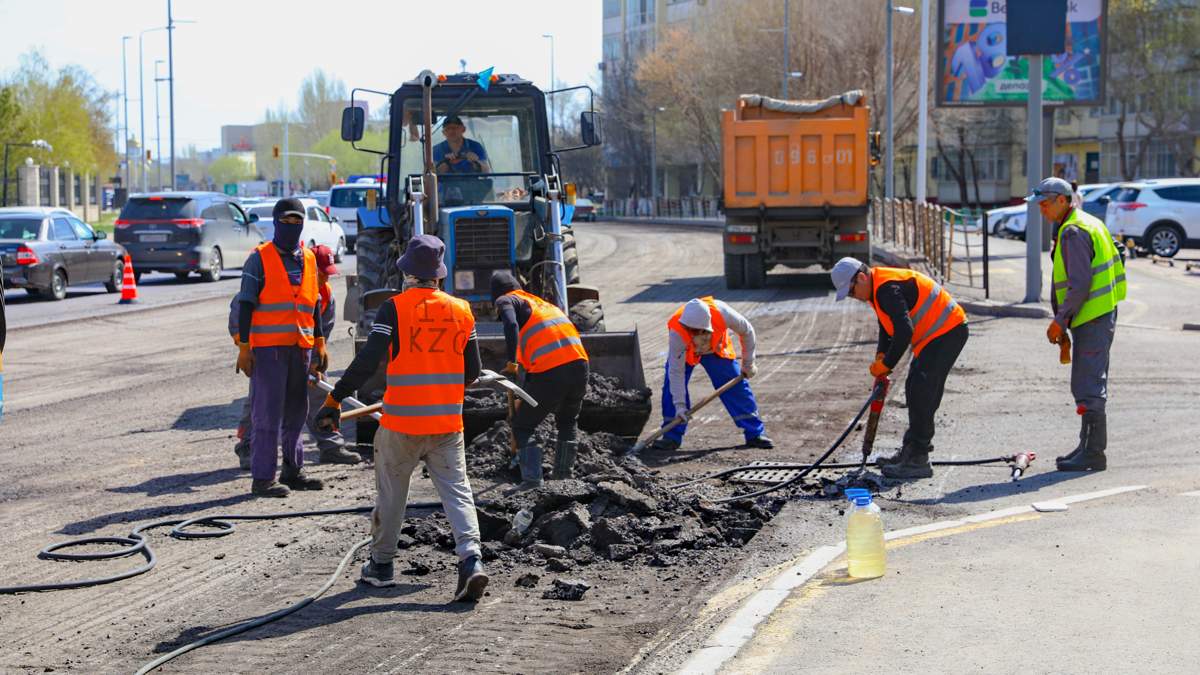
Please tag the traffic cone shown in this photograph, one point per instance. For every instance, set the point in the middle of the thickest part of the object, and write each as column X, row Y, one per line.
column 128, row 284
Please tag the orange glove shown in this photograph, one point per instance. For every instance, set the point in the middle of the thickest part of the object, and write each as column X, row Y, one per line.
column 319, row 361
column 1054, row 332
column 510, row 370
column 245, row 359
column 879, row 370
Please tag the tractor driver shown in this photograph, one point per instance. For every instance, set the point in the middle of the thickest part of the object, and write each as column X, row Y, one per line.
column 457, row 154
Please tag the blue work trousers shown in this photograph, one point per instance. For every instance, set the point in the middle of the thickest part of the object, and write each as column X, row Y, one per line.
column 739, row 400
column 279, row 407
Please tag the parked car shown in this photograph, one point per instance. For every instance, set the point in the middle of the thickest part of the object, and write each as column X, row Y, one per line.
column 185, row 232
column 1096, row 197
column 44, row 250
column 1161, row 216
column 322, row 197
column 319, row 228
column 1007, row 221
column 344, row 201
column 585, row 209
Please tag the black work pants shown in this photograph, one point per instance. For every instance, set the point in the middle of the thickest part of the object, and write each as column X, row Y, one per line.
column 560, row 391
column 927, row 382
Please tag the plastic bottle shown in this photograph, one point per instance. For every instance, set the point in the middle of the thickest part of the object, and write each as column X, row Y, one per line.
column 864, row 539
column 522, row 520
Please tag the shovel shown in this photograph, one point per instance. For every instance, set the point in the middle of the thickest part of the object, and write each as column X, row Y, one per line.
column 686, row 415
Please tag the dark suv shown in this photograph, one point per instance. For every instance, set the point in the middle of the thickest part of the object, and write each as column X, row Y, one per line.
column 184, row 232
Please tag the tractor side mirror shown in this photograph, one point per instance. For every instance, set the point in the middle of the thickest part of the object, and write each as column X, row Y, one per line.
column 353, row 121
column 589, row 129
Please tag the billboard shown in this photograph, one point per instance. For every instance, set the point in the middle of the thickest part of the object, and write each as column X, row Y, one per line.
column 974, row 68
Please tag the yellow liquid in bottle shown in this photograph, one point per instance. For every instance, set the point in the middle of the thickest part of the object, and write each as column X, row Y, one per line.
column 864, row 544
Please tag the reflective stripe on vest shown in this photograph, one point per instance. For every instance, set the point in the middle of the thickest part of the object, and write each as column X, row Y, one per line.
column 720, row 345
column 425, row 389
column 1108, row 274
column 548, row 339
column 283, row 316
column 936, row 312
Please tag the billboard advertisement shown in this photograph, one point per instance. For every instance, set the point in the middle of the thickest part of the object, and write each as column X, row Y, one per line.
column 974, row 68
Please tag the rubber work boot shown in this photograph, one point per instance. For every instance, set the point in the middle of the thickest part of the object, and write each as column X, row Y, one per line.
column 268, row 488
column 564, row 459
column 906, row 450
column 760, row 441
column 1083, row 429
column 242, row 450
column 293, row 477
column 665, row 445
column 1095, row 441
column 915, row 465
column 339, row 455
column 378, row 575
column 472, row 580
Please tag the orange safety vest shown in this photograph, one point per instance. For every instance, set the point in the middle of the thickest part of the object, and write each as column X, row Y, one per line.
column 284, row 314
column 721, row 345
column 935, row 314
column 549, row 339
column 424, row 394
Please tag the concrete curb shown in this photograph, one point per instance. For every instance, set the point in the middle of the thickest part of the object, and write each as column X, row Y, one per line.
column 993, row 308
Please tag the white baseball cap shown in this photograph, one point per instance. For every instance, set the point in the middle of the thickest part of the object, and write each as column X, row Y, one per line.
column 696, row 315
column 843, row 275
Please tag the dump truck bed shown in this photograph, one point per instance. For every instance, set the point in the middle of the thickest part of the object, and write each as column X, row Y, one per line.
column 796, row 154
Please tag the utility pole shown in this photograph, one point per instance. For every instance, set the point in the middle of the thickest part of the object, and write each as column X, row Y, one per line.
column 552, row 106
column 787, row 58
column 889, row 175
column 157, row 128
column 923, row 106
column 171, row 84
column 125, row 86
column 142, row 103
column 1033, row 166
column 287, row 174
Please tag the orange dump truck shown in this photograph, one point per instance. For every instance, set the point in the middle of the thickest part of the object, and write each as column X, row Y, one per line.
column 796, row 187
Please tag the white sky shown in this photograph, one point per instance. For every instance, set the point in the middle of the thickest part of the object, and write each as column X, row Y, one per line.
column 244, row 56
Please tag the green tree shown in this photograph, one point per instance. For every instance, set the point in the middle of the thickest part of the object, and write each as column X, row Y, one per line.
column 230, row 169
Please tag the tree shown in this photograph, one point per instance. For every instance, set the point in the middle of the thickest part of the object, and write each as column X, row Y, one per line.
column 230, row 169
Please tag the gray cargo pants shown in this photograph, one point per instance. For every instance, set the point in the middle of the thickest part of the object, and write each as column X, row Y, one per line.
column 396, row 456
column 1091, row 343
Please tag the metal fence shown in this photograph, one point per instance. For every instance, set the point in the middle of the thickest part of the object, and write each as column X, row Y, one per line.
column 644, row 207
column 945, row 243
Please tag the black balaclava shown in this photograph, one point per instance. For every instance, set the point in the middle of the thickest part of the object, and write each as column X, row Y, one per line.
column 287, row 237
column 503, row 282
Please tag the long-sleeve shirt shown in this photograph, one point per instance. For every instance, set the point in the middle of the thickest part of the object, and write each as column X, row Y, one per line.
column 253, row 280
column 677, row 351
column 514, row 313
column 1077, row 256
column 896, row 299
column 384, row 340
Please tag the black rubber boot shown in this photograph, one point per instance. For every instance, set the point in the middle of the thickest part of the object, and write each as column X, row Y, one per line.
column 915, row 465
column 665, row 445
column 242, row 450
column 268, row 488
column 530, row 460
column 293, row 477
column 760, row 441
column 472, row 580
column 1095, row 431
column 564, row 459
column 1072, row 455
column 907, row 450
column 339, row 455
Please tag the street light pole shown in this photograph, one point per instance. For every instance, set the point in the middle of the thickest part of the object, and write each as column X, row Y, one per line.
column 923, row 106
column 157, row 127
column 552, row 106
column 654, row 159
column 142, row 103
column 787, row 59
column 889, row 182
column 171, row 84
column 125, row 86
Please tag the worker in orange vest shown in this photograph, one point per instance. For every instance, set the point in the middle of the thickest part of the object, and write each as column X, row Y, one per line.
column 912, row 310
column 542, row 340
column 698, row 335
column 280, row 343
column 428, row 339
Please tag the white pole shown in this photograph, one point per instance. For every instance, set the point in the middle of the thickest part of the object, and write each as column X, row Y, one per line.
column 125, row 86
column 287, row 174
column 1033, row 169
column 923, row 113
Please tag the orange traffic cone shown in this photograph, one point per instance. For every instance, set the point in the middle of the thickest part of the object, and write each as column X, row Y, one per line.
column 128, row 284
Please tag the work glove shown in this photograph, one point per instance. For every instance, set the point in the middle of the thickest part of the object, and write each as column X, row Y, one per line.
column 319, row 362
column 236, row 341
column 1054, row 332
column 879, row 370
column 750, row 370
column 245, row 359
column 510, row 370
column 329, row 417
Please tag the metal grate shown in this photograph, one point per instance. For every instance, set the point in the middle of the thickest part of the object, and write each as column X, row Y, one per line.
column 480, row 242
column 766, row 474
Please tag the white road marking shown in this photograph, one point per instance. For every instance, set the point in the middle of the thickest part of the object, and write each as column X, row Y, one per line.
column 1194, row 493
column 738, row 629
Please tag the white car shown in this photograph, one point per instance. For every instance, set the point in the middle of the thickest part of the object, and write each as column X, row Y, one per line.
column 1007, row 221
column 344, row 201
column 1161, row 216
column 319, row 228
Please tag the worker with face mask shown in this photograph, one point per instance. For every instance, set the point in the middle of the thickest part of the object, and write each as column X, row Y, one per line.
column 280, row 343
column 698, row 334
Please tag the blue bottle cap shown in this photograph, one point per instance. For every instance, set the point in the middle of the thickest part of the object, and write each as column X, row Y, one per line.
column 852, row 493
column 862, row 500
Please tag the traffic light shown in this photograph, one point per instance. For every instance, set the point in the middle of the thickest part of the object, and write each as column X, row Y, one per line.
column 275, row 152
column 333, row 178
column 147, row 155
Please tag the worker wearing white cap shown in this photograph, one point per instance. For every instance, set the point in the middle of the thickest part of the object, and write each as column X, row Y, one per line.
column 698, row 334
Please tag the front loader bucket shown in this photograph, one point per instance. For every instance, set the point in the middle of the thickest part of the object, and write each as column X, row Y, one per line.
column 614, row 355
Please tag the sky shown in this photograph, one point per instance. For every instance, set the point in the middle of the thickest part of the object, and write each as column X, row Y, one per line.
column 242, row 57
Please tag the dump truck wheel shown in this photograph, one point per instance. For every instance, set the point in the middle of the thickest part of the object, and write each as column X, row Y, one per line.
column 588, row 316
column 755, row 270
column 735, row 271
column 570, row 257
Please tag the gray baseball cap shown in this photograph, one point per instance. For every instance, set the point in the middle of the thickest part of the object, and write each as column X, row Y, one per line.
column 1049, row 188
column 843, row 275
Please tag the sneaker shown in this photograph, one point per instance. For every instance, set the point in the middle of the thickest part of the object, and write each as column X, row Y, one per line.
column 760, row 441
column 472, row 580
column 339, row 455
column 665, row 445
column 268, row 488
column 294, row 478
column 378, row 575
